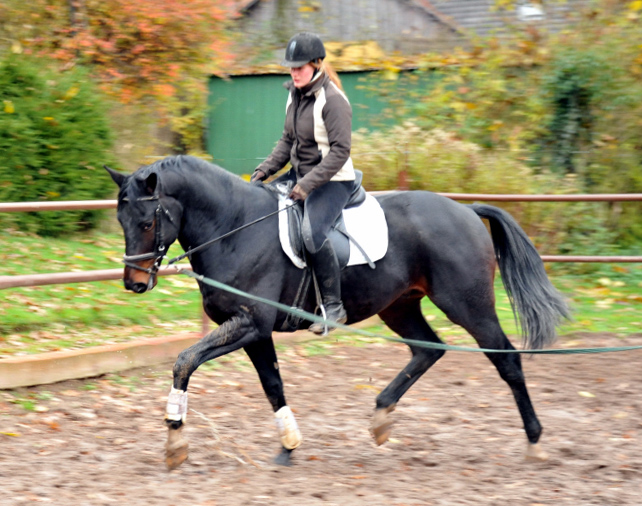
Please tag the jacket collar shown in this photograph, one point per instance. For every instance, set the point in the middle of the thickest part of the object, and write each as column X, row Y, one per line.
column 310, row 88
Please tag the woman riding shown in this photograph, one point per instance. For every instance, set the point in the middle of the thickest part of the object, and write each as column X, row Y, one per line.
column 316, row 141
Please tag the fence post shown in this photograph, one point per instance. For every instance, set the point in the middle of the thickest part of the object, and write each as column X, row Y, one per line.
column 402, row 177
column 205, row 322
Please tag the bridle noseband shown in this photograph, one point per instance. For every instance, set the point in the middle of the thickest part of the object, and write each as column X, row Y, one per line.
column 159, row 248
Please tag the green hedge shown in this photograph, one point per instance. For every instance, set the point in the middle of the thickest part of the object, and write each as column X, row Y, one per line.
column 54, row 139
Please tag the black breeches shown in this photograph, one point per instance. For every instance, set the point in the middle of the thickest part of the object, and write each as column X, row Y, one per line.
column 321, row 210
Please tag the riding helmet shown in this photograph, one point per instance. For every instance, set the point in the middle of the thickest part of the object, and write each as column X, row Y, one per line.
column 303, row 48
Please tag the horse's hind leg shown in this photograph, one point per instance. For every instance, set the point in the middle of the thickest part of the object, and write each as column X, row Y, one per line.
column 509, row 367
column 482, row 323
column 405, row 318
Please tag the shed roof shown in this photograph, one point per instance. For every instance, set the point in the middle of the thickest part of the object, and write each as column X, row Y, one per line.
column 377, row 33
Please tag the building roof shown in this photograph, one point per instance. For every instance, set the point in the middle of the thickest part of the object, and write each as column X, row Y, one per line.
column 376, row 33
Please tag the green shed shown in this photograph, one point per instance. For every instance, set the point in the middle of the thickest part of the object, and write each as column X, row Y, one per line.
column 246, row 113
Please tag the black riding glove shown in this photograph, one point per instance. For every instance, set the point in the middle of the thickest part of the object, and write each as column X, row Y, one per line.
column 258, row 175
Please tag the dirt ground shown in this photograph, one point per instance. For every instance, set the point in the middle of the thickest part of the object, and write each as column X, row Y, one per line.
column 457, row 439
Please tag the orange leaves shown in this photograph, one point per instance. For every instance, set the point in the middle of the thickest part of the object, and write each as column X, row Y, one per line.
column 165, row 90
column 129, row 43
column 138, row 49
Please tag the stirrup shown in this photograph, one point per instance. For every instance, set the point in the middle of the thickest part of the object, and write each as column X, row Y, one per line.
column 323, row 329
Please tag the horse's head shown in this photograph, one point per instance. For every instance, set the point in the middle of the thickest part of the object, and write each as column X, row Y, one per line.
column 150, row 221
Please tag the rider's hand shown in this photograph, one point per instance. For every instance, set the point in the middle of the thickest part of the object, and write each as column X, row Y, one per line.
column 258, row 175
column 298, row 193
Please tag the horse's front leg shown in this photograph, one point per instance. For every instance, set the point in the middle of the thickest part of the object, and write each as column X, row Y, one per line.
column 237, row 332
column 263, row 357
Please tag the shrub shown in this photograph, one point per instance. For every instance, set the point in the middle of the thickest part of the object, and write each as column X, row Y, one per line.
column 569, row 101
column 435, row 160
column 438, row 161
column 54, row 139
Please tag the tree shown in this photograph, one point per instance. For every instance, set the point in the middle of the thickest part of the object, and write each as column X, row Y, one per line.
column 159, row 51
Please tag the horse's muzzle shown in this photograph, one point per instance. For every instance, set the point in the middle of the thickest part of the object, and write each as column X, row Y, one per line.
column 138, row 281
column 136, row 287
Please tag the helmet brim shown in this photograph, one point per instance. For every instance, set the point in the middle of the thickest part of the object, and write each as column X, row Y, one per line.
column 293, row 64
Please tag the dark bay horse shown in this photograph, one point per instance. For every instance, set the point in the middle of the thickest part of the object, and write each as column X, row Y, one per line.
column 437, row 248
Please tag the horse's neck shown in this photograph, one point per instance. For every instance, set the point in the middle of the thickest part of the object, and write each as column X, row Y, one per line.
column 215, row 206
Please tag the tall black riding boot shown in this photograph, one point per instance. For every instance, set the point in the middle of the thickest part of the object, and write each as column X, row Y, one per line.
column 328, row 273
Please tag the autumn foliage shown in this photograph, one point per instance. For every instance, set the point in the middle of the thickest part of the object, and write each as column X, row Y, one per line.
column 153, row 52
column 136, row 48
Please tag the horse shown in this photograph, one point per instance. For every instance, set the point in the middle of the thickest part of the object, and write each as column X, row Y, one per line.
column 438, row 248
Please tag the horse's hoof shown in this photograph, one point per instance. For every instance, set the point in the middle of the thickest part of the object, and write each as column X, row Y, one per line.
column 283, row 458
column 382, row 425
column 176, row 449
column 534, row 453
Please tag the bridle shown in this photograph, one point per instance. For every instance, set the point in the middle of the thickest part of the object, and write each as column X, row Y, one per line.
column 158, row 254
column 159, row 248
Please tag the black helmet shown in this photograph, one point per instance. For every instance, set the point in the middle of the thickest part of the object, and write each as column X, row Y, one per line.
column 303, row 48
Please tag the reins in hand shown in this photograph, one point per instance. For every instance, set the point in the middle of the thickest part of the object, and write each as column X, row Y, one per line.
column 190, row 251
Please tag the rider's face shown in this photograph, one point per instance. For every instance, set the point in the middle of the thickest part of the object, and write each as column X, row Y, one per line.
column 302, row 75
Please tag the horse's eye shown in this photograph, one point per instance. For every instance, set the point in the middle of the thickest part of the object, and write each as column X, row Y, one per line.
column 148, row 225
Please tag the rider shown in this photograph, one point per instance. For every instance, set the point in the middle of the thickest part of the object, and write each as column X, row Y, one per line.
column 316, row 140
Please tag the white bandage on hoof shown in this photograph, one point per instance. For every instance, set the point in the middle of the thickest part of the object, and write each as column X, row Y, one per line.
column 288, row 428
column 176, row 405
column 535, row 453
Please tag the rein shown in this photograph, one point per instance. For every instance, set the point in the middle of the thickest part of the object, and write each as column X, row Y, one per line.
column 304, row 315
column 190, row 251
column 158, row 254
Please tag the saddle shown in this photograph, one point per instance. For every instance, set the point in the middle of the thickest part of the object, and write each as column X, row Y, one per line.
column 359, row 236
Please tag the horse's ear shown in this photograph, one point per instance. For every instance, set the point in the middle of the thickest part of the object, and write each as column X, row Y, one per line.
column 151, row 182
column 116, row 176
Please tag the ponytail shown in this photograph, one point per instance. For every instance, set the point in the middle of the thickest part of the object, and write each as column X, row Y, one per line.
column 324, row 66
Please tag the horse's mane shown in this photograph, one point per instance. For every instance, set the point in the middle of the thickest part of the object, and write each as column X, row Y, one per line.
column 188, row 167
column 182, row 163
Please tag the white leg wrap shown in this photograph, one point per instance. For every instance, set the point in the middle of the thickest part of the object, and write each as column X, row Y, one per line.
column 176, row 405
column 288, row 428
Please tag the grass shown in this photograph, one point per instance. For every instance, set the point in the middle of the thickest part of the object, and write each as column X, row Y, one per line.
column 56, row 317
column 608, row 300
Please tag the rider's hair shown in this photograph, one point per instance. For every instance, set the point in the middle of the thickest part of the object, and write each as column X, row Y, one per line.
column 324, row 66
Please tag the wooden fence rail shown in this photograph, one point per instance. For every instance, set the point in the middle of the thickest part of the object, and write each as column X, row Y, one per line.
column 86, row 205
column 114, row 274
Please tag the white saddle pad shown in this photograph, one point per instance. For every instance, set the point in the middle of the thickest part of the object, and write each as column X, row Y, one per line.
column 365, row 223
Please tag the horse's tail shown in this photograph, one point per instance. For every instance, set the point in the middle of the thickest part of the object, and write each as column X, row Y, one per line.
column 535, row 301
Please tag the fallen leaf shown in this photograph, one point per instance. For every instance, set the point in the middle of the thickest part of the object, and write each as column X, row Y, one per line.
column 363, row 387
column 586, row 394
column 52, row 425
